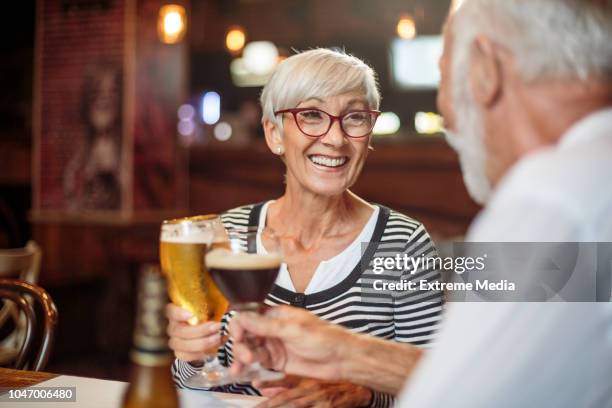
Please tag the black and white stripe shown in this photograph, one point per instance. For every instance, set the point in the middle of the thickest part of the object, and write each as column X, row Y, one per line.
column 411, row 317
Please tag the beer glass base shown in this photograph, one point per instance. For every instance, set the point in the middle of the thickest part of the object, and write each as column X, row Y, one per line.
column 220, row 377
column 208, row 379
column 257, row 373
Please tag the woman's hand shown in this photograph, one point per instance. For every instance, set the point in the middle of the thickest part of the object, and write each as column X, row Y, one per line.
column 300, row 392
column 191, row 342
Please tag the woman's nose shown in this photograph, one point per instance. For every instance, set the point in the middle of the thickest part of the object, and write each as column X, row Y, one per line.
column 335, row 135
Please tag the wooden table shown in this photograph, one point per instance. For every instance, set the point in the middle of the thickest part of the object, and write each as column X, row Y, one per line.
column 96, row 393
column 18, row 378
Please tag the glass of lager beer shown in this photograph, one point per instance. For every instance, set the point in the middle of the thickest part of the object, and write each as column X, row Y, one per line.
column 184, row 243
column 245, row 268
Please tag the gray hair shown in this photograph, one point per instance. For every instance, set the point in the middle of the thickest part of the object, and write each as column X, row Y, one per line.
column 317, row 73
column 550, row 39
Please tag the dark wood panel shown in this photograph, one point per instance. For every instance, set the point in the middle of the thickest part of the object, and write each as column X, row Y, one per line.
column 81, row 251
column 421, row 179
column 16, row 165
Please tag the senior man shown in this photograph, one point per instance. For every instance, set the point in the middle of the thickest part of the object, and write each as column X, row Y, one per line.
column 527, row 98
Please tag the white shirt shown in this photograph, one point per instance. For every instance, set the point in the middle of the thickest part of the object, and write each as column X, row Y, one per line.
column 332, row 271
column 533, row 354
column 561, row 193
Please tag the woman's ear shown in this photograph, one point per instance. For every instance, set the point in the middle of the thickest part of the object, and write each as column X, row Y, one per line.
column 274, row 138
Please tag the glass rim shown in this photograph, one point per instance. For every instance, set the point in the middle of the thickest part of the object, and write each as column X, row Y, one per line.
column 191, row 218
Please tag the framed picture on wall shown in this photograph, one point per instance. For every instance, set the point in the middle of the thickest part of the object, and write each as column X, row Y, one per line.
column 106, row 97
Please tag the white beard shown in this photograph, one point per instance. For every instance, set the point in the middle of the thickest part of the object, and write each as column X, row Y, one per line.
column 469, row 145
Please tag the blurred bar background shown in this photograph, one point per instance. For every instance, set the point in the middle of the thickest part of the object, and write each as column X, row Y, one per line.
column 117, row 114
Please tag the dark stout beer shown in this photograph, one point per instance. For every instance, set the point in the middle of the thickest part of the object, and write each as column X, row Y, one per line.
column 243, row 278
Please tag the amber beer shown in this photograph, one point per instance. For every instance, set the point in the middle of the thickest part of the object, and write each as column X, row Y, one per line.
column 183, row 246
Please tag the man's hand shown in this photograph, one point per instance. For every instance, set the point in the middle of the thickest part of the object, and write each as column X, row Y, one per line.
column 293, row 341
column 299, row 392
column 297, row 342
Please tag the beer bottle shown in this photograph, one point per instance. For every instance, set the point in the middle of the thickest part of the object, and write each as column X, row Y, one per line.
column 151, row 382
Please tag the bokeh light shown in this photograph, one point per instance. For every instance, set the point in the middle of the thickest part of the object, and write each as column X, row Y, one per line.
column 406, row 28
column 171, row 23
column 235, row 39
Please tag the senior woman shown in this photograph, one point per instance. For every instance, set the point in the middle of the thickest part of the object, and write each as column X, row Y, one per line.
column 319, row 109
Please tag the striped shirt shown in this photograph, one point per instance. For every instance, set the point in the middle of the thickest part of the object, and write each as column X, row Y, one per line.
column 408, row 317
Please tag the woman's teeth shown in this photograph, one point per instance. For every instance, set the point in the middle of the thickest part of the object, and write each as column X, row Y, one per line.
column 328, row 161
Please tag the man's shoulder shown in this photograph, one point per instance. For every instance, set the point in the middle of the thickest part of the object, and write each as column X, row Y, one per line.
column 571, row 176
column 564, row 170
column 553, row 194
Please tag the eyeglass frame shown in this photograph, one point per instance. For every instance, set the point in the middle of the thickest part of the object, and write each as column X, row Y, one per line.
column 295, row 111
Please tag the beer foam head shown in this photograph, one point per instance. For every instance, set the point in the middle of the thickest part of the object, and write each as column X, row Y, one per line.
column 222, row 258
column 183, row 233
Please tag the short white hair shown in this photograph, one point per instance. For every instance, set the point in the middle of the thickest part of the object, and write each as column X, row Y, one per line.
column 317, row 73
column 550, row 39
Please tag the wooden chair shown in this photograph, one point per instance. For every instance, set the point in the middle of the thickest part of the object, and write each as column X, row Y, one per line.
column 22, row 263
column 40, row 321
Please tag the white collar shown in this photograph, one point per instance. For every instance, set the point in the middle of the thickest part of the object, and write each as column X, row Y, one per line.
column 592, row 126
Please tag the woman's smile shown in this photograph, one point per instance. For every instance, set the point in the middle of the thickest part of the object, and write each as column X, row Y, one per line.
column 328, row 162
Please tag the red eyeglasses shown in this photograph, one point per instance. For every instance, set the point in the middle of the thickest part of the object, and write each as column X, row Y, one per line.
column 316, row 123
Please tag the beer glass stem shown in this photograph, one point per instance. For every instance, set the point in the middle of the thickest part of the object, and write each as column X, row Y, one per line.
column 255, row 371
column 212, row 374
column 213, row 371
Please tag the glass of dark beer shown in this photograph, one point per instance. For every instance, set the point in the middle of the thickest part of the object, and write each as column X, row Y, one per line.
column 245, row 269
